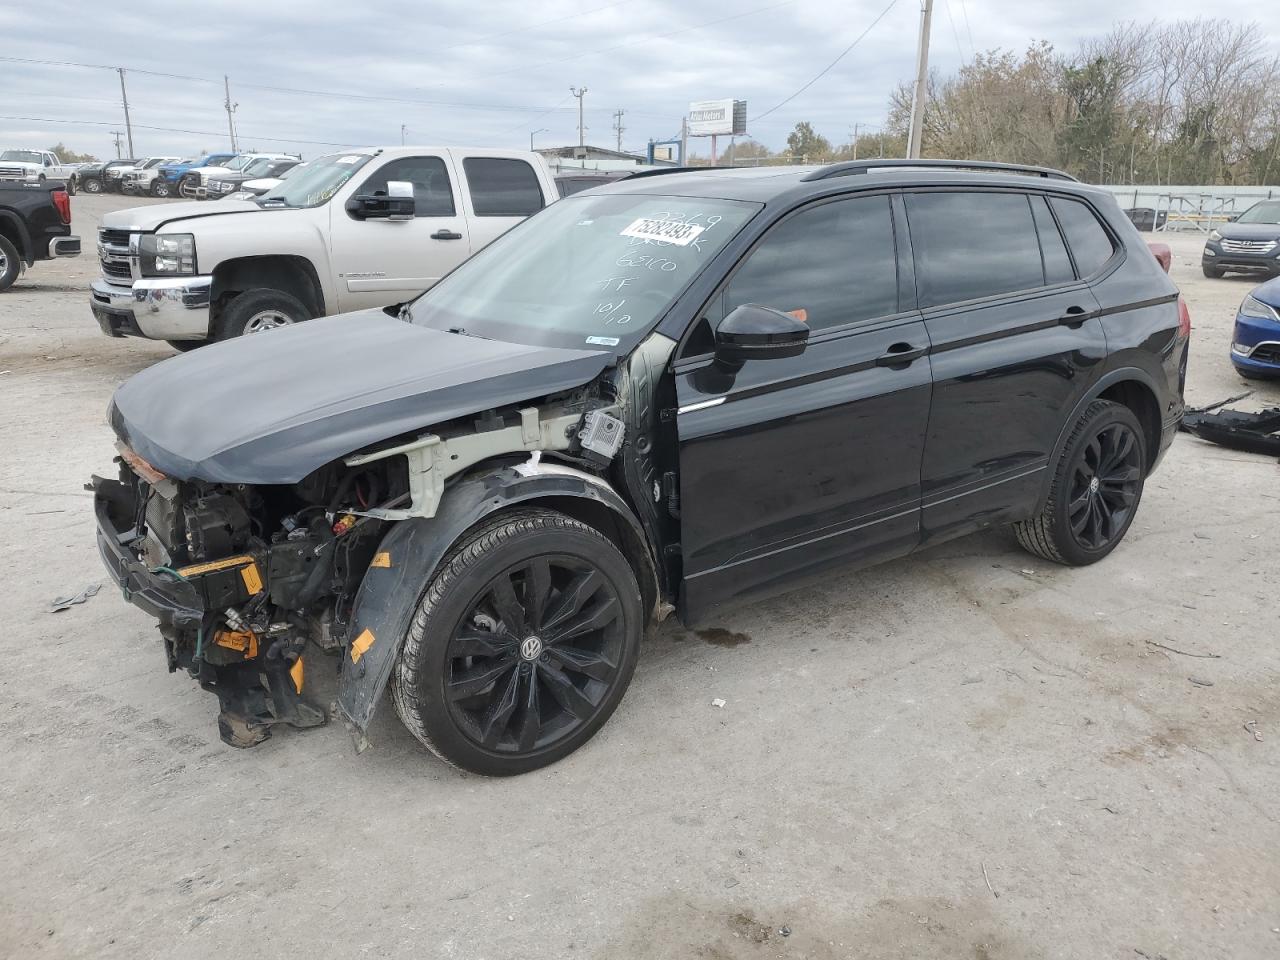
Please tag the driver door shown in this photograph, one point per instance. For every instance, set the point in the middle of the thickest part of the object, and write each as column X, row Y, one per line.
column 381, row 261
column 790, row 465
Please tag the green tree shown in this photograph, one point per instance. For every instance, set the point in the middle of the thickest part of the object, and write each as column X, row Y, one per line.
column 806, row 145
column 67, row 155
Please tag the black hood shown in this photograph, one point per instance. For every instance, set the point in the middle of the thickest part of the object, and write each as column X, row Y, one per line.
column 1249, row 231
column 273, row 407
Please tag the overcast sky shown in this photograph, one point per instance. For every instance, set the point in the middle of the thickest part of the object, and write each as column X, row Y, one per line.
column 487, row 72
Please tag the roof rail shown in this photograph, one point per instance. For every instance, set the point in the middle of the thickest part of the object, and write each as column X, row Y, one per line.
column 659, row 171
column 847, row 168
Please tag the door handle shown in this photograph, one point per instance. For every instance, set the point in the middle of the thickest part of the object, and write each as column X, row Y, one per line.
column 899, row 355
column 446, row 234
column 1074, row 317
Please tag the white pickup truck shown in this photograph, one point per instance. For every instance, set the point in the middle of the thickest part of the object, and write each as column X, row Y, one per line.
column 365, row 228
column 33, row 166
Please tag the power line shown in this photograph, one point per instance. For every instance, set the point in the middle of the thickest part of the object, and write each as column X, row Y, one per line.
column 198, row 133
column 827, row 69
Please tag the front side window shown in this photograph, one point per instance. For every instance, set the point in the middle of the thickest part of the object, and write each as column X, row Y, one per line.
column 1090, row 243
column 591, row 272
column 970, row 245
column 502, row 188
column 828, row 265
column 432, row 192
column 317, row 182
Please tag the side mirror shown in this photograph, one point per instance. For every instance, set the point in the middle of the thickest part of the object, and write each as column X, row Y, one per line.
column 756, row 332
column 396, row 204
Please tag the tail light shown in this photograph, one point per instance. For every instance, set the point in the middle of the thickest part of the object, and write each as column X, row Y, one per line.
column 63, row 203
column 1184, row 318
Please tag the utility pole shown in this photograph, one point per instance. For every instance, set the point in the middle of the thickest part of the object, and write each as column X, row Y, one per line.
column 582, row 131
column 124, row 96
column 618, row 127
column 117, row 134
column 532, row 132
column 855, row 141
column 231, row 109
column 402, row 134
column 684, row 141
column 922, row 77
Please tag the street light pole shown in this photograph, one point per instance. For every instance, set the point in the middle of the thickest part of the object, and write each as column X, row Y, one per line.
column 531, row 133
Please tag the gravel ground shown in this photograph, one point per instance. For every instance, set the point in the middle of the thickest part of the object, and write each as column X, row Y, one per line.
column 966, row 753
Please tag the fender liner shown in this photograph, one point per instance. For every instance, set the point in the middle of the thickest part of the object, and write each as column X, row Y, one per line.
column 389, row 594
column 1099, row 386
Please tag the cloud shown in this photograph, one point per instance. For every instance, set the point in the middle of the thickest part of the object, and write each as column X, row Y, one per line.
column 486, row 73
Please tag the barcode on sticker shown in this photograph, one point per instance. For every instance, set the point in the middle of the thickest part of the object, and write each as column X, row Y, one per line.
column 668, row 231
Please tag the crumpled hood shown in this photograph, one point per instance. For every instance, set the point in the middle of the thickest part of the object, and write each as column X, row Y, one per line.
column 273, row 407
column 156, row 215
column 1249, row 231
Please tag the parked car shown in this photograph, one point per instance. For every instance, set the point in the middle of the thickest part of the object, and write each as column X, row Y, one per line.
column 335, row 238
column 169, row 175
column 194, row 184
column 252, row 189
column 35, row 224
column 678, row 391
column 1248, row 244
column 99, row 176
column 1255, row 340
column 137, row 179
column 35, row 166
column 571, row 183
column 1148, row 219
column 220, row 187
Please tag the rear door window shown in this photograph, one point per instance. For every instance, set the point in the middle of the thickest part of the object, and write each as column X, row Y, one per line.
column 502, row 188
column 1057, row 262
column 829, row 265
column 970, row 245
column 1090, row 243
column 432, row 192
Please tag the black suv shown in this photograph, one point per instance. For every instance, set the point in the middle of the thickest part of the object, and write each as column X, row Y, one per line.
column 675, row 392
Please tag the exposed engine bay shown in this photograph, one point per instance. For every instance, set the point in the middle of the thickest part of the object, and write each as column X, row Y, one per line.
column 244, row 576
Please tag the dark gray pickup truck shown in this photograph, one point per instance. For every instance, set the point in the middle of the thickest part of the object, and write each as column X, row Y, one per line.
column 35, row 224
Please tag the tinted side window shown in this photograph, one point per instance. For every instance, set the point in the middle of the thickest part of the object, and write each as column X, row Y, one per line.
column 970, row 245
column 1090, row 243
column 502, row 188
column 829, row 265
column 1057, row 265
column 432, row 194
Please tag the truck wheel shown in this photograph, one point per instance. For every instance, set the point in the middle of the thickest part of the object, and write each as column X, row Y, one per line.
column 522, row 645
column 258, row 311
column 93, row 185
column 1214, row 273
column 1097, row 486
column 71, row 186
column 160, row 188
column 10, row 263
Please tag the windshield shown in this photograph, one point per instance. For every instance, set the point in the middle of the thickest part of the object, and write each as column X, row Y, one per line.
column 588, row 271
column 259, row 167
column 21, row 156
column 237, row 163
column 318, row 182
column 1268, row 211
column 155, row 162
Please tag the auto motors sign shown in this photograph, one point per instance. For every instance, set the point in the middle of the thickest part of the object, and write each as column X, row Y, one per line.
column 709, row 118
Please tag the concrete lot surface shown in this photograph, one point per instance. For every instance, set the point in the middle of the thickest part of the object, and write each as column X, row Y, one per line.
column 965, row 754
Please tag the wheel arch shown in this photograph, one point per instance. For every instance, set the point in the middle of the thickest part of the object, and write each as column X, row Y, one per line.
column 414, row 549
column 15, row 231
column 1132, row 387
column 288, row 273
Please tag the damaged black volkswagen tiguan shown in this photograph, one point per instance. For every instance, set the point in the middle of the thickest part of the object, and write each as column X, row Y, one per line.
column 672, row 393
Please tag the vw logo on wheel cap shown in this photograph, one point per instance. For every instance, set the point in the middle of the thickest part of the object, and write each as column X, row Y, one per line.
column 531, row 648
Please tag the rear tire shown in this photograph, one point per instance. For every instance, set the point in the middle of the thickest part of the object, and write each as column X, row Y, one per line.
column 182, row 346
column 71, row 186
column 93, row 185
column 10, row 263
column 1095, row 492
column 161, row 189
column 258, row 311
column 504, row 686
column 1213, row 273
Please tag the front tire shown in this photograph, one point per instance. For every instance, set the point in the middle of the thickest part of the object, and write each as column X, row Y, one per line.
column 161, row 189
column 1095, row 492
column 522, row 645
column 259, row 311
column 10, row 263
column 1213, row 273
column 93, row 185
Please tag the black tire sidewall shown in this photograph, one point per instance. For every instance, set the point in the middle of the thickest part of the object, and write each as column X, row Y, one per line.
column 1213, row 273
column 242, row 308
column 1071, row 550
column 89, row 185
column 71, row 187
column 160, row 190
column 432, row 706
column 13, row 262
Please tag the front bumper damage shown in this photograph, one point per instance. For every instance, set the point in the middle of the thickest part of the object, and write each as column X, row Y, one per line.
column 160, row 308
column 258, row 677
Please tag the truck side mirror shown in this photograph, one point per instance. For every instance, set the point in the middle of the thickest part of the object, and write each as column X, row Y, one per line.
column 396, row 204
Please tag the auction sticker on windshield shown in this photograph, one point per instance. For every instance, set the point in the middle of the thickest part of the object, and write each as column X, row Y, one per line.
column 667, row 231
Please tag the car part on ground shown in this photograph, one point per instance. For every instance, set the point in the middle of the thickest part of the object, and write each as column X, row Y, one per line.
column 1251, row 432
column 718, row 384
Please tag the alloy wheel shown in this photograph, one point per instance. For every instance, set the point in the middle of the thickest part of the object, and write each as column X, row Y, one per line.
column 266, row 320
column 536, row 655
column 1104, row 486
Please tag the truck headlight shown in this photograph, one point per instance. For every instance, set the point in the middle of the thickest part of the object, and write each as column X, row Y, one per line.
column 167, row 254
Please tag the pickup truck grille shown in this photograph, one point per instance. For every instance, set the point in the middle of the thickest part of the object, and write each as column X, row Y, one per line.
column 115, row 270
column 113, row 254
column 114, row 238
column 12, row 172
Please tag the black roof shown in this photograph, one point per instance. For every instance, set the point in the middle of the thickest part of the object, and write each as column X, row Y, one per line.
column 773, row 184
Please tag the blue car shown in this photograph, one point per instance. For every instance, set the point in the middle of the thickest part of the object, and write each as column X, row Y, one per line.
column 1255, row 342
